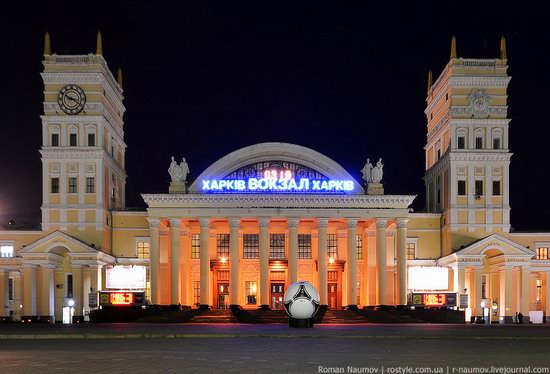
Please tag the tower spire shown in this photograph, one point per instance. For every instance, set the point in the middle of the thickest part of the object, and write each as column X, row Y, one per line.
column 119, row 77
column 47, row 45
column 99, row 45
column 453, row 47
column 430, row 80
column 503, row 48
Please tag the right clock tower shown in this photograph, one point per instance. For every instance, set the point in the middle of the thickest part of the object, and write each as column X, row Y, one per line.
column 467, row 153
column 83, row 147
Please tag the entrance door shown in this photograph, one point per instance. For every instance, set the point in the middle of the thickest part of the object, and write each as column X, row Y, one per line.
column 277, row 295
column 68, row 312
column 223, row 295
column 333, row 295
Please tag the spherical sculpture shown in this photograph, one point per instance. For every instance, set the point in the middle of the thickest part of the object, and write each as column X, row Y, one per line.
column 301, row 300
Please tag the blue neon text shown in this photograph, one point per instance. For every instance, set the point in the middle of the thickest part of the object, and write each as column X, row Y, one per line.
column 276, row 184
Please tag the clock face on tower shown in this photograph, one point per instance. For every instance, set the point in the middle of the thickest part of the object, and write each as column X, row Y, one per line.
column 71, row 99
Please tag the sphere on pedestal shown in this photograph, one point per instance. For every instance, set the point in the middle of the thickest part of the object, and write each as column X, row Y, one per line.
column 301, row 300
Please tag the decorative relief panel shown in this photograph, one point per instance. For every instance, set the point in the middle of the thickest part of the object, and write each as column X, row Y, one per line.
column 497, row 170
column 54, row 167
column 72, row 167
column 90, row 167
column 462, row 170
column 479, row 170
column 251, row 268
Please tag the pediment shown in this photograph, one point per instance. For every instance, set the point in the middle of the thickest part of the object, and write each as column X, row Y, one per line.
column 56, row 242
column 495, row 242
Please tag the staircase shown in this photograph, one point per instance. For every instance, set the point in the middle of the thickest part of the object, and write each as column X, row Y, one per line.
column 214, row 316
column 368, row 316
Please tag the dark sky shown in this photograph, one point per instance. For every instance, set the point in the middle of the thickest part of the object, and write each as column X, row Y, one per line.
column 202, row 79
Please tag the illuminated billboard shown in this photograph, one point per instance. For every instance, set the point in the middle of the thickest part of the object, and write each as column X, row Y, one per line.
column 429, row 278
column 125, row 277
column 430, row 299
column 121, row 298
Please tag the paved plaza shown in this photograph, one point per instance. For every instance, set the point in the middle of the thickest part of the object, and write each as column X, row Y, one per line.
column 226, row 348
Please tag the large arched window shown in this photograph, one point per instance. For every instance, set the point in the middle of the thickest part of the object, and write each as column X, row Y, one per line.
column 91, row 136
column 55, row 136
column 496, row 138
column 72, row 131
column 461, row 138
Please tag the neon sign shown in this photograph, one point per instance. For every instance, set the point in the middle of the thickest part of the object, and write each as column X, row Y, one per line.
column 277, row 184
column 441, row 299
column 434, row 299
column 121, row 298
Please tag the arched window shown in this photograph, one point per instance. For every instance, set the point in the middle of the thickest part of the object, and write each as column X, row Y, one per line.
column 478, row 134
column 496, row 138
column 91, row 135
column 461, row 137
column 55, row 136
column 438, row 150
column 73, row 135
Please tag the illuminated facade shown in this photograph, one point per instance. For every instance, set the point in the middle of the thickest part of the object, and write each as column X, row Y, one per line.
column 270, row 214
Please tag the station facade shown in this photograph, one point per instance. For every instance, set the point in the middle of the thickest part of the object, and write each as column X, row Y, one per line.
column 270, row 214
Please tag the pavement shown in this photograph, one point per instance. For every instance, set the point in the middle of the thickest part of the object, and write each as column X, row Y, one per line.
column 239, row 348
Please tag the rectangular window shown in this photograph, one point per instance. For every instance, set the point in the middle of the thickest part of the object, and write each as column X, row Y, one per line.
column 461, row 142
column 496, row 188
column 484, row 286
column 538, row 295
column 143, row 249
column 251, row 291
column 332, row 246
column 276, row 246
column 55, row 140
column 479, row 142
column 496, row 143
column 197, row 293
column 223, row 245
column 73, row 140
column 438, row 154
column 250, row 245
column 411, row 251
column 304, row 246
column 196, row 246
column 69, row 286
column 10, row 289
column 91, row 140
column 6, row 250
column 359, row 244
column 90, row 184
column 542, row 253
column 479, row 188
column 73, row 187
column 461, row 188
column 54, row 187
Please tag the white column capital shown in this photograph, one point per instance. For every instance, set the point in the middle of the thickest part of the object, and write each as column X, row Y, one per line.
column 402, row 223
column 205, row 222
column 381, row 223
column 322, row 223
column 352, row 223
column 263, row 222
column 293, row 222
column 153, row 222
column 175, row 223
column 234, row 222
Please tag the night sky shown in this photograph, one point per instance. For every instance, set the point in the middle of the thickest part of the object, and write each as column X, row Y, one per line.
column 202, row 79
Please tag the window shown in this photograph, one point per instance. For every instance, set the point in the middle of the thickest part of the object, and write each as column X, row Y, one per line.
column 223, row 245
column 196, row 246
column 55, row 140
column 73, row 188
column 91, row 140
column 276, row 246
column 10, row 289
column 461, row 142
column 143, row 249
column 484, row 287
column 538, row 295
column 438, row 153
column 250, row 245
column 496, row 188
column 479, row 188
column 359, row 245
column 479, row 142
column 251, row 291
column 90, row 185
column 304, row 246
column 332, row 246
column 542, row 253
column 69, row 286
column 72, row 140
column 461, row 188
column 197, row 293
column 54, row 187
column 6, row 250
column 411, row 251
column 496, row 143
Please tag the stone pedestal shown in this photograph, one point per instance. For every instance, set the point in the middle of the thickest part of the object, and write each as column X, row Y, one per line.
column 177, row 187
column 375, row 189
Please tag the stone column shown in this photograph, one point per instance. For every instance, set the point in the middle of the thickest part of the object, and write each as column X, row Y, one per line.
column 264, row 262
column 476, row 308
column 154, row 251
column 47, row 292
column 322, row 224
column 17, row 295
column 175, row 280
column 77, row 294
column 293, row 250
column 4, row 294
column 352, row 264
column 29, row 290
column 547, row 296
column 381, row 261
column 506, row 294
column 205, row 264
column 524, row 298
column 234, row 286
column 86, row 285
column 401, row 288
column 185, row 273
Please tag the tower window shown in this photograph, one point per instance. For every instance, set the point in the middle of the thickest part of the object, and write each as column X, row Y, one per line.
column 461, row 142
column 73, row 140
column 91, row 140
column 461, row 188
column 496, row 143
column 55, row 140
column 479, row 188
column 479, row 142
column 73, row 187
column 6, row 250
column 90, row 185
column 54, row 186
column 496, row 188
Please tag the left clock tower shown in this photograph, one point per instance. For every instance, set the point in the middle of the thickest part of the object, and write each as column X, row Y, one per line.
column 83, row 149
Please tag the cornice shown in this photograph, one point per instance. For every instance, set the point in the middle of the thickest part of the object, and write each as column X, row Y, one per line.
column 480, row 156
column 477, row 81
column 480, row 121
